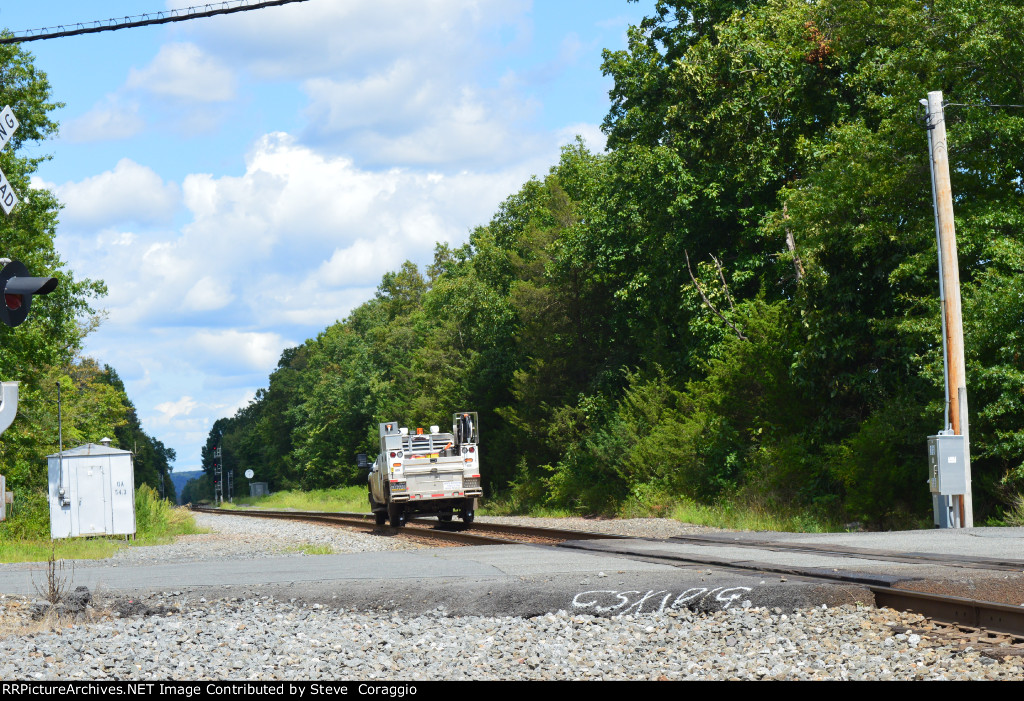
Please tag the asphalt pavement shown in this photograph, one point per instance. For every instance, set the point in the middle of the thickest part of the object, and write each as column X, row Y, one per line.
column 598, row 577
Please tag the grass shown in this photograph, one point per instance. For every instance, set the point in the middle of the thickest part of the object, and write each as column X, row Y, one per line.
column 499, row 507
column 737, row 514
column 343, row 499
column 733, row 515
column 64, row 548
column 157, row 521
column 310, row 549
column 751, row 518
column 353, row 499
column 1014, row 515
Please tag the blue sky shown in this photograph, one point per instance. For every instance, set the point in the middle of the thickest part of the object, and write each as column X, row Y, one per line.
column 241, row 182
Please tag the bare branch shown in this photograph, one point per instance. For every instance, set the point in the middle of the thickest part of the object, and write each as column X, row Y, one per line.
column 708, row 301
column 798, row 264
column 725, row 285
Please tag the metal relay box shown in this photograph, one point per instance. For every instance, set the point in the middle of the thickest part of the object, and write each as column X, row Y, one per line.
column 91, row 492
column 947, row 465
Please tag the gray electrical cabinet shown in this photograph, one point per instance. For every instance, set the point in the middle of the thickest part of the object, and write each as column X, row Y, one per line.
column 91, row 491
column 947, row 465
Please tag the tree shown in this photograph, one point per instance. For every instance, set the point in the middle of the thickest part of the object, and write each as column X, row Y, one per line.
column 45, row 349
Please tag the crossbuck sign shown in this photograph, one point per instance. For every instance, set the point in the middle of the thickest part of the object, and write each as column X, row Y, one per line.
column 8, row 123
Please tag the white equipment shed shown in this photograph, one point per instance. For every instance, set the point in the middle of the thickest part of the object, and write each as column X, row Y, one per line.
column 92, row 491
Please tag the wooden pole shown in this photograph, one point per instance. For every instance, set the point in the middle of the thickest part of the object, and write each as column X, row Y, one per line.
column 957, row 386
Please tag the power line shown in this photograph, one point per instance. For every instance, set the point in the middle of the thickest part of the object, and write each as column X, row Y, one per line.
column 980, row 104
column 128, row 22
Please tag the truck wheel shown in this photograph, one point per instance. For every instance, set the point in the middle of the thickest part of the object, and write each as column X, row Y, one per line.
column 396, row 515
column 379, row 515
column 467, row 511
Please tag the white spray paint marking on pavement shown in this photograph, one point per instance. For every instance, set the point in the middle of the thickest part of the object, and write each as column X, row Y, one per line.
column 634, row 601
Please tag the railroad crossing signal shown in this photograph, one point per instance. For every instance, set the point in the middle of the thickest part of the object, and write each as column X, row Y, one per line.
column 18, row 287
column 8, row 123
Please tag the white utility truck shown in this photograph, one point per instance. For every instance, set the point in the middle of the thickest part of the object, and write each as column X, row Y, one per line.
column 433, row 473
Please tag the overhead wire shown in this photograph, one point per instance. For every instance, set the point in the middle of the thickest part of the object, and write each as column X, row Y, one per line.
column 143, row 20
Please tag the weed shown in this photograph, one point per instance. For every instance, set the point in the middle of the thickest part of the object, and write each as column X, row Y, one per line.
column 1014, row 515
column 57, row 584
column 310, row 549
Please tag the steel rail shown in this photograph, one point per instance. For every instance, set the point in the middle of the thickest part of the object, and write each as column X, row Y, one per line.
column 470, row 531
column 360, row 520
column 533, row 531
column 452, row 531
column 961, row 561
column 954, row 609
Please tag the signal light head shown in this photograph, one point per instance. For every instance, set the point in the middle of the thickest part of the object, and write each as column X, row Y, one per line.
column 17, row 287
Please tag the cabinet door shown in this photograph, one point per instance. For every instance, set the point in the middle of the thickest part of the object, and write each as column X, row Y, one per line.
column 91, row 481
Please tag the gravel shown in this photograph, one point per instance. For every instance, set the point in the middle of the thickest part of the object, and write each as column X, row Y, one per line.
column 245, row 537
column 266, row 639
column 185, row 636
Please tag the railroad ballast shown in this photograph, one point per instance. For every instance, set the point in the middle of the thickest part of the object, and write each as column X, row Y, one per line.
column 431, row 473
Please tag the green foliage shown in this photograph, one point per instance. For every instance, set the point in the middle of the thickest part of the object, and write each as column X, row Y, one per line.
column 197, row 491
column 29, row 519
column 344, row 499
column 159, row 520
column 27, row 538
column 44, row 352
column 1015, row 515
column 735, row 306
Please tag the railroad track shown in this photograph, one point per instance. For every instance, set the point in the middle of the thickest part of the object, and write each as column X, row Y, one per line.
column 453, row 533
column 996, row 627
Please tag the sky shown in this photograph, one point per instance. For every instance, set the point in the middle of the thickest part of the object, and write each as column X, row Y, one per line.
column 242, row 182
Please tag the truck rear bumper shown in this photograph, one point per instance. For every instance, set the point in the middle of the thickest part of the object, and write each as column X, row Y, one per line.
column 447, row 496
column 436, row 505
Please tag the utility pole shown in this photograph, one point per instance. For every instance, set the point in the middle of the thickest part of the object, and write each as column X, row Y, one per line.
column 953, row 329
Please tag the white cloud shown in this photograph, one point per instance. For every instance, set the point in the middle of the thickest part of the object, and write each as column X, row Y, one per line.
column 129, row 192
column 172, row 410
column 389, row 82
column 326, row 36
column 251, row 350
column 112, row 119
column 208, row 294
column 437, row 125
column 298, row 238
column 396, row 96
column 593, row 137
column 184, row 72
column 362, row 263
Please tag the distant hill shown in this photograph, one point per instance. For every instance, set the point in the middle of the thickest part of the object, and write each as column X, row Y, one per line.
column 180, row 478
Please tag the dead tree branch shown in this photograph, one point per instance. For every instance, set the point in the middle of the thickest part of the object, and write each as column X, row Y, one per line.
column 707, row 301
